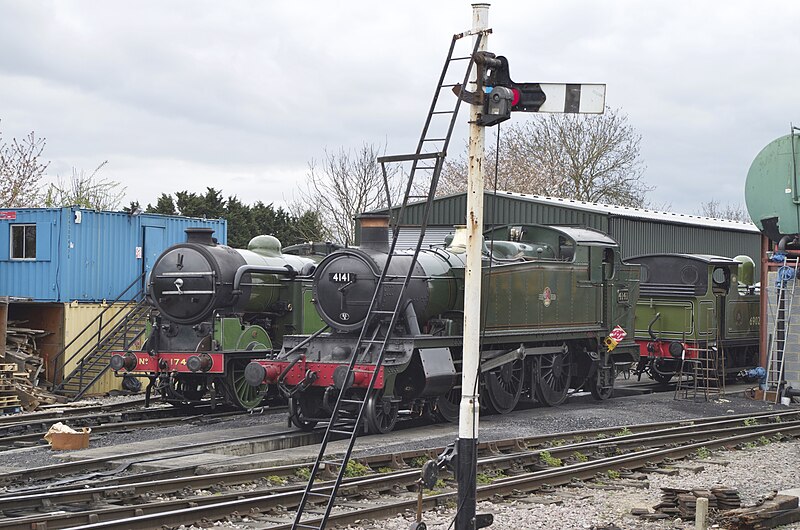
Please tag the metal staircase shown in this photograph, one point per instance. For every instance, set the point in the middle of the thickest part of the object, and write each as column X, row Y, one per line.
column 346, row 419
column 114, row 329
column 785, row 283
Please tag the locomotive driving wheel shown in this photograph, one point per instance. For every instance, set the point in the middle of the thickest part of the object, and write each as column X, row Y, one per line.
column 447, row 405
column 552, row 374
column 239, row 390
column 381, row 414
column 303, row 407
column 504, row 387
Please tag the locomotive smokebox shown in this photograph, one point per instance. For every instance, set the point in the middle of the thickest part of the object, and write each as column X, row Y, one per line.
column 201, row 236
column 375, row 232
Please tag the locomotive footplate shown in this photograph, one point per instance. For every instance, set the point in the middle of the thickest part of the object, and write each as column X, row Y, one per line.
column 326, row 373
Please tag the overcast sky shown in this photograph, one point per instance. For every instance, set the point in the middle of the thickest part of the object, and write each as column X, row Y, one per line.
column 241, row 95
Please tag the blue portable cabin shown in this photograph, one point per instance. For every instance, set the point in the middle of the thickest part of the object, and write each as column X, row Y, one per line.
column 72, row 253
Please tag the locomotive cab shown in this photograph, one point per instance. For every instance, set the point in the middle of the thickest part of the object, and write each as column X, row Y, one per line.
column 690, row 305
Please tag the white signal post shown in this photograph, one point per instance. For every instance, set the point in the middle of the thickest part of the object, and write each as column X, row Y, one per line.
column 469, row 409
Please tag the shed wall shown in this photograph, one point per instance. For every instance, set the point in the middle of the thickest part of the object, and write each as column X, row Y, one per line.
column 647, row 237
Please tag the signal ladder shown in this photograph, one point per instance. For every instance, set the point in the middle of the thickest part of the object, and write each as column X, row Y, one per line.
column 787, row 274
column 426, row 166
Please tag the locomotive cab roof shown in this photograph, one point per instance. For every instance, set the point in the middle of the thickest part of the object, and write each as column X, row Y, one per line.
column 685, row 274
column 532, row 233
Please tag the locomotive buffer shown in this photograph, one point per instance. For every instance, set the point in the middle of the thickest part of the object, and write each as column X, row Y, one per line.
column 492, row 100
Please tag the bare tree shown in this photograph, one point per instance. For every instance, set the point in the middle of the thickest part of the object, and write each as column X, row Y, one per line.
column 86, row 190
column 733, row 212
column 593, row 158
column 21, row 169
column 343, row 185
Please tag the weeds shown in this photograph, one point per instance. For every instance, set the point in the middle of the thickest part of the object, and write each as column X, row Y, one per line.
column 580, row 457
column 703, row 452
column 749, row 422
column 549, row 460
column 356, row 469
column 275, row 480
column 303, row 473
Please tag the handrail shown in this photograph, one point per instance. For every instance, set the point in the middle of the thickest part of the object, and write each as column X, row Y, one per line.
column 54, row 360
column 93, row 339
column 124, row 325
column 84, row 368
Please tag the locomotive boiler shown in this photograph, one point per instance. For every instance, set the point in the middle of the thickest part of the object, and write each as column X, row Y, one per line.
column 552, row 296
column 214, row 309
column 692, row 305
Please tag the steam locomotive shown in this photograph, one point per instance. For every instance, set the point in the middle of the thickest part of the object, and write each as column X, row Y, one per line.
column 557, row 304
column 692, row 305
column 214, row 309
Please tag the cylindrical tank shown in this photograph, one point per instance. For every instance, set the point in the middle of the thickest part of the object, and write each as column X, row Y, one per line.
column 772, row 189
column 345, row 282
column 191, row 280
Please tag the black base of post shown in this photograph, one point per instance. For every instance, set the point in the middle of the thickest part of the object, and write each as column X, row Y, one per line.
column 467, row 450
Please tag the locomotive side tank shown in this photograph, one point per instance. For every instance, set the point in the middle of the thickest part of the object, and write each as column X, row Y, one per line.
column 214, row 309
column 551, row 296
column 690, row 303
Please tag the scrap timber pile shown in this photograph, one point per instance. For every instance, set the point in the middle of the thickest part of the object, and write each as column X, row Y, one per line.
column 20, row 374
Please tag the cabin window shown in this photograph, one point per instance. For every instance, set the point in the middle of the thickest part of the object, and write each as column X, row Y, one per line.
column 608, row 264
column 721, row 278
column 23, row 242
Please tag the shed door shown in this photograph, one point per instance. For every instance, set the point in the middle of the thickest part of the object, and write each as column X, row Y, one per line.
column 152, row 247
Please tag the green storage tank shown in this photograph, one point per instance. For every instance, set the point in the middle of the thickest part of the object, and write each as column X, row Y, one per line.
column 772, row 189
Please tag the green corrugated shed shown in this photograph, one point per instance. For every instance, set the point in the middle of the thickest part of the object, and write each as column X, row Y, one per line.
column 637, row 230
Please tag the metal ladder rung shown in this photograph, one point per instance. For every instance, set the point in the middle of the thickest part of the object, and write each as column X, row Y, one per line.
column 339, row 431
column 332, row 462
column 352, row 401
column 459, row 58
column 301, row 525
column 443, row 111
column 326, row 495
column 434, row 139
column 362, row 371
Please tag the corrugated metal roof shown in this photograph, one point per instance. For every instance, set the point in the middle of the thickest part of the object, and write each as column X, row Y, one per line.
column 636, row 213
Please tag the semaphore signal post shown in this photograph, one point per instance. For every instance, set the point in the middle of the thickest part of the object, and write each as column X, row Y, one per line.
column 492, row 98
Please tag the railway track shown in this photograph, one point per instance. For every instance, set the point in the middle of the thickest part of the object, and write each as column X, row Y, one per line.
column 29, row 430
column 517, row 465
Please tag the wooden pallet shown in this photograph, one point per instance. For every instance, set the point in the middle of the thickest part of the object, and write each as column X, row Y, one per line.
column 9, row 401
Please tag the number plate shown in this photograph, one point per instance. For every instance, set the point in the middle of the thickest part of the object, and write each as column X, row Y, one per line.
column 622, row 296
column 342, row 277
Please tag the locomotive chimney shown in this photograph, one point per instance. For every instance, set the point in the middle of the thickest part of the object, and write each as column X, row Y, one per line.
column 201, row 236
column 375, row 232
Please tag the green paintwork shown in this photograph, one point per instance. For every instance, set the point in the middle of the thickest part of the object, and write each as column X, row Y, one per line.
column 232, row 335
column 772, row 189
column 696, row 317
